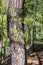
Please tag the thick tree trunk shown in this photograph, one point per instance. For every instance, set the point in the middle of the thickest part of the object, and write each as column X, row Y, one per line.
column 15, row 32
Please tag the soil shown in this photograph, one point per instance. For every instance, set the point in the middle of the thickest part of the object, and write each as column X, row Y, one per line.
column 32, row 57
column 35, row 57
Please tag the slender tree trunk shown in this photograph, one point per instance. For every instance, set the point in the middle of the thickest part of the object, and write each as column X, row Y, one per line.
column 15, row 32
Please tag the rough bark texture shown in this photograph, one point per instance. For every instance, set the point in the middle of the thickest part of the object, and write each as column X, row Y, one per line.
column 15, row 32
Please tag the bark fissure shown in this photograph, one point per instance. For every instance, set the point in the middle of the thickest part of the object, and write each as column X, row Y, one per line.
column 15, row 31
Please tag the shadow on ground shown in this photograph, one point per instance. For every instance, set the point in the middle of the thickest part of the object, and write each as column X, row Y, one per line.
column 36, row 57
column 32, row 58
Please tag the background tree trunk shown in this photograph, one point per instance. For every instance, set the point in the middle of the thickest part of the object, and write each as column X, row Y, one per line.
column 16, row 32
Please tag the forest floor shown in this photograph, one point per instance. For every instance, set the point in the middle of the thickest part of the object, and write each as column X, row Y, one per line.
column 36, row 57
column 32, row 58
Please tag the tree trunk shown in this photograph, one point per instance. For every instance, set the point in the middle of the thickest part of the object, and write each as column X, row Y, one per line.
column 16, row 32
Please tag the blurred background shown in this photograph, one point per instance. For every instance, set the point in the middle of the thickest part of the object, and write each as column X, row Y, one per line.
column 33, row 21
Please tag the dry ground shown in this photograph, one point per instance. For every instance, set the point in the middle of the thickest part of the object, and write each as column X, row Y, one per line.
column 32, row 58
column 36, row 57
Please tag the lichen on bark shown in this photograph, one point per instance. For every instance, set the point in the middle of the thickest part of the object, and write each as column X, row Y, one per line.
column 15, row 32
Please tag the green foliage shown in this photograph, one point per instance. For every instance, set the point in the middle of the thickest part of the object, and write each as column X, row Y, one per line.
column 29, row 19
column 28, row 10
column 3, row 26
